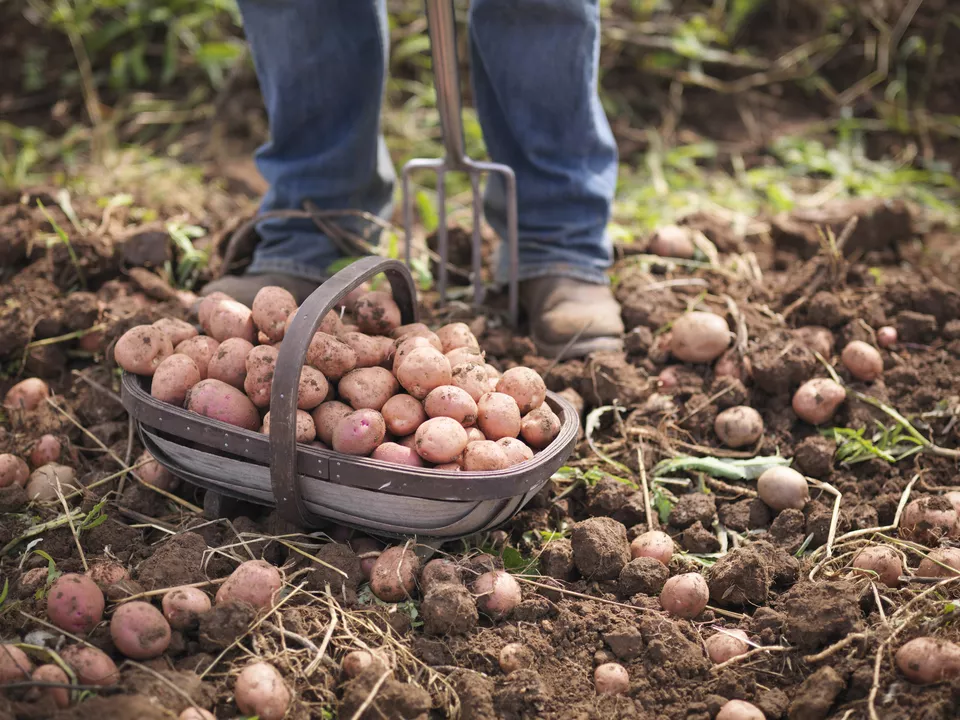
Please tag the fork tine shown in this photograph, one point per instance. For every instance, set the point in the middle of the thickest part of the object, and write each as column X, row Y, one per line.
column 442, row 232
column 476, row 240
column 407, row 214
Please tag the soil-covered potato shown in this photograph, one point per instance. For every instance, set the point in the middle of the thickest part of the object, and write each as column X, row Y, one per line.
column 672, row 241
column 406, row 345
column 173, row 378
column 52, row 674
column 26, row 395
column 723, row 646
column 394, row 575
column 359, row 433
column 862, row 360
column 440, row 440
column 139, row 630
column 818, row 400
column 13, row 471
column 46, row 450
column 261, row 367
column 941, row 563
column 654, row 544
column 461, row 355
column 376, row 313
column 403, row 414
column 497, row 593
column 155, row 474
column 925, row 660
column 229, row 363
column 75, row 603
column 370, row 350
column 219, row 401
column 201, row 349
column 457, row 335
column 539, row 427
column 483, row 455
column 738, row 426
column 46, row 480
column 305, row 431
column 141, row 349
column 15, row 666
column 452, row 402
column 611, row 679
column 472, row 378
column 685, row 595
column 423, row 370
column 92, row 666
column 313, row 388
column 254, row 582
column 929, row 519
column 881, row 563
column 271, row 308
column 397, row 454
column 330, row 356
column 498, row 416
column 183, row 606
column 782, row 488
column 231, row 319
column 261, row 692
column 699, row 337
column 515, row 450
column 740, row 710
column 368, row 388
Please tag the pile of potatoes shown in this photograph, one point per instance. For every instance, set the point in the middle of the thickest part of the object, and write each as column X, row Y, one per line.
column 401, row 394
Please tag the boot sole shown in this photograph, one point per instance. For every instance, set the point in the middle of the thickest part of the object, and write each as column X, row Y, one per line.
column 579, row 349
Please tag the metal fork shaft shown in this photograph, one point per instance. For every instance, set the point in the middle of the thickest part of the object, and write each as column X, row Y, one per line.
column 446, row 77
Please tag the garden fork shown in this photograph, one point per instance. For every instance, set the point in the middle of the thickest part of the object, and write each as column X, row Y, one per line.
column 443, row 50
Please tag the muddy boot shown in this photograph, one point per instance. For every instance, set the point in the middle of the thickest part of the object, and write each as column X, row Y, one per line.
column 570, row 317
column 243, row 288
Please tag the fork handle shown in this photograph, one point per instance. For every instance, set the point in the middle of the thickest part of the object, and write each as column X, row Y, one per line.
column 443, row 51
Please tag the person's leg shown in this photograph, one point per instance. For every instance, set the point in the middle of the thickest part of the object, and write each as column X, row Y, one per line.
column 322, row 67
column 534, row 70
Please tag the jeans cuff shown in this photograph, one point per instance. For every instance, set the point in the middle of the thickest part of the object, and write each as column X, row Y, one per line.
column 287, row 267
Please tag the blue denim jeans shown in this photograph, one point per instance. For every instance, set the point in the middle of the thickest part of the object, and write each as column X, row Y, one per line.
column 322, row 66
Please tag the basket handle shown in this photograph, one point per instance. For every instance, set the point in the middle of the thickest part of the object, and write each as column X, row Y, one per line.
column 290, row 361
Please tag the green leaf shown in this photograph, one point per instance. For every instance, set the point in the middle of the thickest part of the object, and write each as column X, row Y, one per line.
column 5, row 591
column 428, row 211
column 340, row 263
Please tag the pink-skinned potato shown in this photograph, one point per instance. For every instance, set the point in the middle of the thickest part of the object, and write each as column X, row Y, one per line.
column 483, row 455
column 368, row 388
column 474, row 434
column 403, row 414
column 685, row 595
column 231, row 319
column 325, row 419
column 75, row 603
column 497, row 593
column 141, row 349
column 539, row 427
column 879, row 562
column 15, row 666
column 394, row 574
column 26, row 394
column 254, row 582
column 47, row 479
column 452, row 402
column 370, row 349
column 699, row 337
column 926, row 660
column 176, row 330
column 330, row 356
column 391, row 452
column 153, row 473
column 46, row 450
column 817, row 400
column 183, row 606
column 472, row 378
column 271, row 308
column 219, row 401
column 261, row 692
column 740, row 710
column 410, row 328
column 261, row 365
column 672, row 241
column 192, row 713
column 406, row 345
column 525, row 386
column 54, row 675
column 376, row 313
column 306, row 430
column 498, row 416
column 611, row 679
column 928, row 520
column 941, row 563
column 457, row 335
column 461, row 355
column 173, row 378
column 726, row 645
column 862, row 360
column 139, row 630
column 229, row 363
column 441, row 440
column 106, row 573
column 359, row 433
column 201, row 350
column 91, row 665
column 423, row 370
column 207, row 305
column 313, row 388
column 13, row 471
column 654, row 544
column 516, row 451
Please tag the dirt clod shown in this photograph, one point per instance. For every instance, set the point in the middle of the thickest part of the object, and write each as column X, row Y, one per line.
column 643, row 575
column 600, row 548
column 818, row 614
column 176, row 561
column 692, row 508
column 448, row 609
column 816, row 695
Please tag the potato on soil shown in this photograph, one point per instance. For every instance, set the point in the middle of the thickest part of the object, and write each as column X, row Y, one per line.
column 672, row 241
column 817, row 400
column 699, row 337
column 461, row 355
column 782, row 487
column 887, row 336
column 941, row 563
column 231, row 319
column 271, row 308
column 368, row 388
column 46, row 479
column 219, row 401
column 927, row 660
column 406, row 345
column 46, row 450
column 52, row 674
column 201, row 350
column 727, row 644
column 738, row 426
column 497, row 593
column 452, row 402
column 260, row 691
column 192, row 713
column 173, row 378
column 954, row 497
column 15, row 666
column 394, row 574
column 313, row 388
column 457, row 335
column 305, row 430
column 600, row 548
column 370, row 350
column 359, row 433
column 330, row 356
column 92, row 666
column 525, row 386
column 139, row 630
column 229, row 363
column 106, row 573
column 611, row 679
column 261, row 367
column 472, row 378
column 441, row 440
column 176, row 330
column 817, row 338
column 515, row 450
column 515, row 656
column 498, row 416
column 26, row 394
column 403, row 414
column 929, row 519
column 862, row 360
column 357, row 662
column 141, row 349
column 540, row 427
column 153, row 473
column 369, row 550
column 326, row 417
column 881, row 563
column 654, row 544
column 391, row 452
column 75, row 603
column 183, row 606
column 254, row 582
column 740, row 710
column 448, row 610
column 376, row 313
column 483, row 456
column 440, row 571
column 685, row 595
column 13, row 471
column 423, row 370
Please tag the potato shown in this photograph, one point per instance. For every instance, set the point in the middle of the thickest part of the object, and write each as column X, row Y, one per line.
column 817, row 400
column 492, row 372
column 192, row 713
column 887, row 336
column 330, row 356
column 862, row 360
column 817, row 338
column 46, row 479
column 261, row 366
column 440, row 571
column 313, row 388
column 457, row 335
column 672, row 241
column 450, row 466
column 173, row 378
column 409, row 441
column 141, row 349
column 540, row 427
column 699, row 337
column 398, row 454
column 106, row 573
column 305, row 430
column 497, row 593
column 474, row 434
column 219, row 401
column 201, row 350
column 782, row 487
column 326, row 417
column 357, row 662
column 611, row 679
column 52, row 674
column 954, row 498
column 369, row 550
column 483, row 455
column 515, row 451
column 207, row 305
column 423, row 370
column 471, row 378
column 406, row 345
column 91, row 666
column 739, row 710
column 927, row 520
column 139, row 630
column 403, row 415
column 359, row 433
column 926, row 660
column 525, row 386
column 416, row 328
column 685, row 595
column 46, row 450
column 155, row 474
column 452, row 402
column 15, row 666
column 176, row 330
column 731, row 364
column 441, row 440
column 515, row 656
column 394, row 575
column 461, row 355
column 254, row 582
column 271, row 308
column 13, row 471
column 231, row 319
column 933, row 564
column 726, row 645
column 370, row 350
column 368, row 388
column 75, row 603
column 260, row 691
column 183, row 606
column 738, row 426
column 654, row 544
column 498, row 416
column 880, row 563
column 332, row 324
column 229, row 363
column 376, row 313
